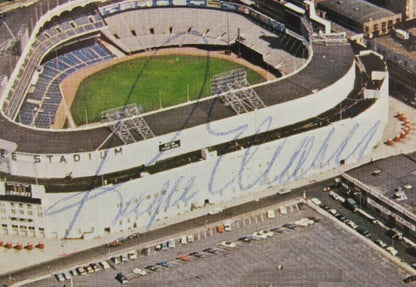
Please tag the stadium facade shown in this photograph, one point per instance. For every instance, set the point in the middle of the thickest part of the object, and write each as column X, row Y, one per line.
column 329, row 108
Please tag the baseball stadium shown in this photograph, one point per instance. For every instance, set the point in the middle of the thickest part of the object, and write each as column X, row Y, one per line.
column 133, row 115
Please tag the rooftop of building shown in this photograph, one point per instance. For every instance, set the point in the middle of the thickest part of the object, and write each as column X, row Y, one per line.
column 372, row 63
column 389, row 176
column 357, row 10
column 395, row 46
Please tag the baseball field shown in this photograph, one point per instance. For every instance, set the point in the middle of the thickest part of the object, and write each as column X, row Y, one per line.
column 151, row 83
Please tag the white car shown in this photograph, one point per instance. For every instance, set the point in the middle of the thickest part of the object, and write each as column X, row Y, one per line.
column 227, row 227
column 391, row 250
column 228, row 244
column 304, row 222
column 59, row 277
column 380, row 243
column 104, row 264
column 132, row 255
column 260, row 234
column 283, row 210
column 267, row 233
column 171, row 243
column 333, row 211
column 139, row 271
column 316, row 201
column 352, row 224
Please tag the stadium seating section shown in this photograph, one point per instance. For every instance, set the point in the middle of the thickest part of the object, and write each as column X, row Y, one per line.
column 42, row 103
column 183, row 27
column 73, row 25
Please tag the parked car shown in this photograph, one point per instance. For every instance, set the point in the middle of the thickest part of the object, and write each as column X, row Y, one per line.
column 258, row 235
column 151, row 268
column 333, row 211
column 121, row 278
column 59, row 277
column 165, row 246
column 158, row 247
column 81, row 271
column 73, row 272
column 163, row 263
column 277, row 230
column 115, row 260
column 124, row 257
column 184, row 239
column 267, row 233
column 304, row 222
column 229, row 244
column 380, row 243
column 316, row 201
column 171, row 243
column 391, row 250
column 95, row 267
column 210, row 250
column 314, row 218
column 132, row 255
column 289, row 225
column 246, row 239
column 139, row 271
column 196, row 254
column 104, row 264
column 66, row 275
column 363, row 232
column 227, row 227
column 352, row 224
column 190, row 238
column 184, row 258
column 145, row 251
column 89, row 269
column 326, row 207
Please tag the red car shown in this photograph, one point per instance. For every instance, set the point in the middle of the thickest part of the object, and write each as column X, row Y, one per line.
column 183, row 258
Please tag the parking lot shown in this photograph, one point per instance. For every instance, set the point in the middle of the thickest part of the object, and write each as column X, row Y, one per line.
column 321, row 254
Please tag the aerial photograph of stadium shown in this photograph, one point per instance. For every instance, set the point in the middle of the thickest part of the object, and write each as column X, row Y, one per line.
column 207, row 143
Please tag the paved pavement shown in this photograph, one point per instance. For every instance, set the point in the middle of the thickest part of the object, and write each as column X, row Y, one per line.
column 324, row 254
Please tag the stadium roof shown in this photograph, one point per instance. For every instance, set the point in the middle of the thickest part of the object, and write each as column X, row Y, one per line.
column 357, row 10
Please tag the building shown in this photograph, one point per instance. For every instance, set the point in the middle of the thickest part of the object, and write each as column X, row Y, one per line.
column 387, row 187
column 330, row 109
column 405, row 7
column 361, row 16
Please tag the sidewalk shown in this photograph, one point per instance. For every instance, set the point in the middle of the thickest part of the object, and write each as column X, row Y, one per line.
column 13, row 259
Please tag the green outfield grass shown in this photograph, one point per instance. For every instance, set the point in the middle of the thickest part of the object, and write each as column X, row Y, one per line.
column 162, row 80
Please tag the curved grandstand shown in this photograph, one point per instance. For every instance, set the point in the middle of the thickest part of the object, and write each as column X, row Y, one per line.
column 328, row 107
